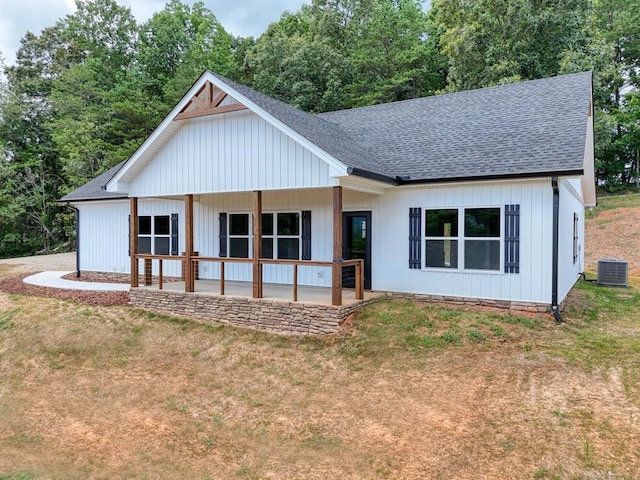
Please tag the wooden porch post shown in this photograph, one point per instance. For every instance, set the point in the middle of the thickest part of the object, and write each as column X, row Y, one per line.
column 188, row 267
column 257, row 244
column 336, row 270
column 133, row 239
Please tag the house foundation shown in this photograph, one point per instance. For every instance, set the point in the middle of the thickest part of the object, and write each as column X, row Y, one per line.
column 271, row 315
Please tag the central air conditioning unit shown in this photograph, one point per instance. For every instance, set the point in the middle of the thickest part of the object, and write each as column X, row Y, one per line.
column 613, row 272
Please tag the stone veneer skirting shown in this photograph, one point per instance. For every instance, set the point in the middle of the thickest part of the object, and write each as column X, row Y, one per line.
column 504, row 304
column 278, row 316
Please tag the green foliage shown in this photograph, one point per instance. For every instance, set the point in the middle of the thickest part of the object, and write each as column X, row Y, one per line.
column 339, row 54
column 82, row 97
column 490, row 42
column 395, row 328
column 177, row 45
column 86, row 91
column 7, row 316
column 595, row 343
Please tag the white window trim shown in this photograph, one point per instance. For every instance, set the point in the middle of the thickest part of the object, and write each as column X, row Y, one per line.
column 275, row 235
column 461, row 239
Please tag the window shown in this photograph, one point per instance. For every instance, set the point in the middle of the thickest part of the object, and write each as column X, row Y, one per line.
column 239, row 235
column 288, row 236
column 280, row 235
column 155, row 234
column 469, row 234
column 482, row 239
column 442, row 238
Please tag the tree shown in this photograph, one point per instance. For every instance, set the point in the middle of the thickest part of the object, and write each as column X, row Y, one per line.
column 489, row 42
column 294, row 63
column 342, row 53
column 612, row 51
column 392, row 57
column 177, row 45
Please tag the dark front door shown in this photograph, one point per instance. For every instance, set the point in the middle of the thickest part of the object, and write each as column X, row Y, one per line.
column 356, row 243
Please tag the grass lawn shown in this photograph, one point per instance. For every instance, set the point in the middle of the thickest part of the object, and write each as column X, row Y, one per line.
column 410, row 391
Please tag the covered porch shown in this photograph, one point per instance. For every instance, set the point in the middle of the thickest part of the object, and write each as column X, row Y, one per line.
column 271, row 291
column 191, row 257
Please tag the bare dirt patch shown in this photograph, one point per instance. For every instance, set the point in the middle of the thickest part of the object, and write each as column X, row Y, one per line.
column 110, row 392
column 614, row 234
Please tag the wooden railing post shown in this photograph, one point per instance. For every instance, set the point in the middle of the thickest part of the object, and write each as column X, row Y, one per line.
column 336, row 270
column 257, row 244
column 295, row 282
column 133, row 239
column 188, row 267
column 221, row 278
column 359, row 280
column 148, row 272
column 160, row 275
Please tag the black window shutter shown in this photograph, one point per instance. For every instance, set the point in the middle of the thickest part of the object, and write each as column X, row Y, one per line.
column 512, row 239
column 129, row 230
column 415, row 238
column 575, row 238
column 306, row 235
column 223, row 234
column 174, row 234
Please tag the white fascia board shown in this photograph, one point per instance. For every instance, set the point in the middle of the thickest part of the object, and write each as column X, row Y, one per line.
column 588, row 166
column 116, row 183
column 334, row 163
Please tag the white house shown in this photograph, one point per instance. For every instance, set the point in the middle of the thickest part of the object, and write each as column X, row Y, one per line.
column 476, row 195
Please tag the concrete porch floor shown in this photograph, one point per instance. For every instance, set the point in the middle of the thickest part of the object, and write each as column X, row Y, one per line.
column 271, row 291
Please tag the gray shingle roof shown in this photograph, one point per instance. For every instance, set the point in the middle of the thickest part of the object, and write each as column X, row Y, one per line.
column 328, row 135
column 525, row 129
column 94, row 190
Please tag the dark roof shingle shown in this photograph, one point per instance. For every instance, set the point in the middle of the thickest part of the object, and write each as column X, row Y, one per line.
column 94, row 189
column 525, row 129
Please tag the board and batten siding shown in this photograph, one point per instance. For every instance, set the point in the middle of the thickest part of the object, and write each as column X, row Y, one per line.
column 570, row 203
column 207, row 211
column 104, row 234
column 389, row 231
column 230, row 152
column 390, row 246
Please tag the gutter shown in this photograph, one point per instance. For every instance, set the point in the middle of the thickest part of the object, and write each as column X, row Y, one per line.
column 555, row 310
column 371, row 175
column 476, row 178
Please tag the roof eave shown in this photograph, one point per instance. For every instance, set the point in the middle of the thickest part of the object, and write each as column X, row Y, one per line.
column 479, row 178
column 372, row 175
column 90, row 199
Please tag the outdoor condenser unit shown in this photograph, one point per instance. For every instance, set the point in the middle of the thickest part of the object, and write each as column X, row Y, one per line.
column 613, row 272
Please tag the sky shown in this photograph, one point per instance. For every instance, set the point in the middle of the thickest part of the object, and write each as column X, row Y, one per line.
column 239, row 17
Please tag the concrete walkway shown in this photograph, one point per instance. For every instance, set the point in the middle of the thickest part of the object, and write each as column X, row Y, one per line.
column 53, row 279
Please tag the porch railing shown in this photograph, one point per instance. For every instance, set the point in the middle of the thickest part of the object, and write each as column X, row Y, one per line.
column 148, row 264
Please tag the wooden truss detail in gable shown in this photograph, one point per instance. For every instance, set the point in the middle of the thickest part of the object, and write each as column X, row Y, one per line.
column 207, row 101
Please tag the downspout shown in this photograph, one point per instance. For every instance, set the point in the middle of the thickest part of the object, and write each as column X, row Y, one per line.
column 77, row 239
column 556, row 236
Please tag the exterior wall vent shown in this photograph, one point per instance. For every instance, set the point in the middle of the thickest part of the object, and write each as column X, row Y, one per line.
column 613, row 272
